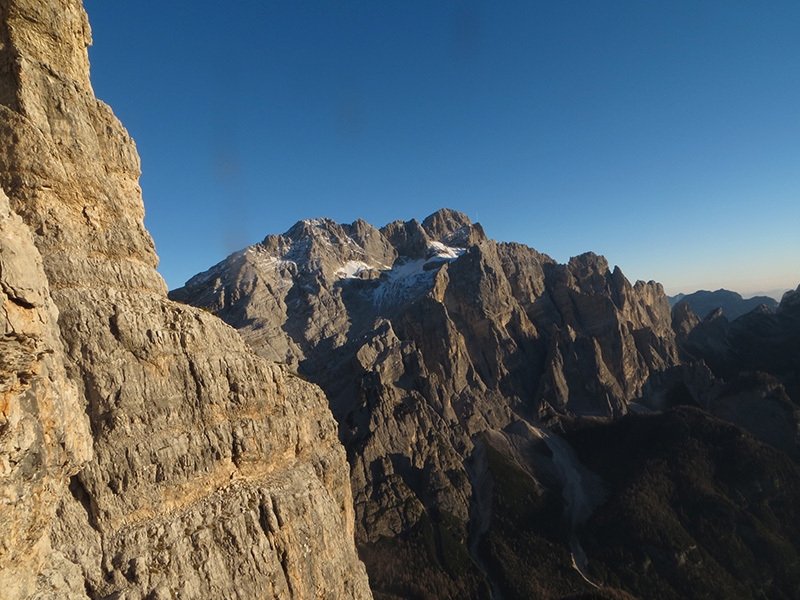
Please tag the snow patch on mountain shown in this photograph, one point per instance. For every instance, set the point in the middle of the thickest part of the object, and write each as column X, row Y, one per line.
column 408, row 279
column 353, row 269
column 439, row 250
column 286, row 258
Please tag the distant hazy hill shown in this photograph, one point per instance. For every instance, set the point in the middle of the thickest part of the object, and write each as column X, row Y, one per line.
column 702, row 302
column 761, row 341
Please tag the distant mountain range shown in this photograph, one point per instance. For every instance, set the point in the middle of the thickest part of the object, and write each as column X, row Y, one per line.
column 733, row 305
column 530, row 429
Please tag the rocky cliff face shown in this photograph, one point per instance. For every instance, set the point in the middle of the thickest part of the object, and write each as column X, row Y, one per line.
column 483, row 393
column 299, row 297
column 44, row 434
column 147, row 453
column 435, row 346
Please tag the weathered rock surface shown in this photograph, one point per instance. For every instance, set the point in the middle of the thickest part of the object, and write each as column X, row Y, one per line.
column 426, row 337
column 44, row 435
column 147, row 452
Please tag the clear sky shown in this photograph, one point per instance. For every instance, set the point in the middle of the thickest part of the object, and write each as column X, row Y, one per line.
column 662, row 134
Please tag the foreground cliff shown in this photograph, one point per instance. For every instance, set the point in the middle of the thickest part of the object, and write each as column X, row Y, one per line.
column 147, row 453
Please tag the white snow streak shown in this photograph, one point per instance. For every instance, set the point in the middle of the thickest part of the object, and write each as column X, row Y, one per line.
column 353, row 269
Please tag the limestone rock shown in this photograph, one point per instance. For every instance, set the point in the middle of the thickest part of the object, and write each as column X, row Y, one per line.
column 44, row 435
column 607, row 336
column 409, row 239
column 152, row 455
column 453, row 229
column 683, row 321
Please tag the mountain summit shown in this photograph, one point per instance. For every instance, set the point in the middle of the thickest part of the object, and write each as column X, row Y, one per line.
column 512, row 427
column 322, row 285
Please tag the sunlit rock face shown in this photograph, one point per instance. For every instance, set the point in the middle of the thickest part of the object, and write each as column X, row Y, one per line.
column 427, row 338
column 44, row 433
column 147, row 452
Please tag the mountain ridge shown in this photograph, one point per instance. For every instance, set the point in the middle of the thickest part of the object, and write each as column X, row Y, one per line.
column 424, row 347
column 732, row 304
column 463, row 374
column 480, row 436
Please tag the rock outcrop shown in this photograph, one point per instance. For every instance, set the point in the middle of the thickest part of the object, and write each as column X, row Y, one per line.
column 146, row 451
column 44, row 433
column 433, row 343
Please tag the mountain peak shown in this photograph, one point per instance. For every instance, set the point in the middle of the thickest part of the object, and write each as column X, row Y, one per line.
column 311, row 228
column 444, row 222
column 792, row 297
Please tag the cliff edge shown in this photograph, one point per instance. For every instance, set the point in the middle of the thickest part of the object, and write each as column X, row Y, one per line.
column 146, row 452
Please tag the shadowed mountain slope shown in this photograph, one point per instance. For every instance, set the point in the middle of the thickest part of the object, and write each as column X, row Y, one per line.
column 697, row 508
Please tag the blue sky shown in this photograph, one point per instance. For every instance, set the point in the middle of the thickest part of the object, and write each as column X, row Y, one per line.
column 664, row 135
